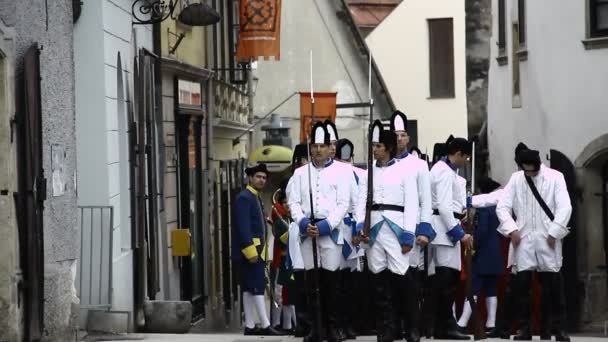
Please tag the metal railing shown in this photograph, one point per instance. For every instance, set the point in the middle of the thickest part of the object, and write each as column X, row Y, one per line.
column 94, row 277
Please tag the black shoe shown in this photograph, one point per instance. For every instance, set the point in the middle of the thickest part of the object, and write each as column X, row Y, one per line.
column 497, row 333
column 545, row 335
column 340, row 334
column 413, row 336
column 301, row 331
column 333, row 336
column 270, row 331
column 255, row 331
column 562, row 336
column 462, row 330
column 311, row 338
column 523, row 335
column 350, row 333
column 455, row 335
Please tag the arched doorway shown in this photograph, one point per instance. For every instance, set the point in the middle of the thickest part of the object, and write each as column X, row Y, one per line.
column 592, row 173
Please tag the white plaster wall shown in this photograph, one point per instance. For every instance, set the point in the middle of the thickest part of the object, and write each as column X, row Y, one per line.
column 314, row 25
column 563, row 86
column 400, row 45
column 104, row 30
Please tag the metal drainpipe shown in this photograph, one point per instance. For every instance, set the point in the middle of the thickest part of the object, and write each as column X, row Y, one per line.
column 250, row 96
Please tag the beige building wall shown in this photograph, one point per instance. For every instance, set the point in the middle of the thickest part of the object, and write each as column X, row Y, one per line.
column 400, row 46
column 191, row 49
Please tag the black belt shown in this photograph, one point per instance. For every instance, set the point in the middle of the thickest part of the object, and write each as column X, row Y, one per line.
column 458, row 216
column 387, row 207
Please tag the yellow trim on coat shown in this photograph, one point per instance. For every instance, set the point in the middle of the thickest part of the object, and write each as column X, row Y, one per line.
column 250, row 252
column 253, row 191
column 284, row 238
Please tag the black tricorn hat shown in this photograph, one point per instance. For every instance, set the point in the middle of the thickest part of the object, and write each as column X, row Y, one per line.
column 299, row 152
column 520, row 147
column 252, row 170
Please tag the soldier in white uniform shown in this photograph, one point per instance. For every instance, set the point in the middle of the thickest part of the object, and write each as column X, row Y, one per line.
column 445, row 192
column 393, row 223
column 424, row 230
column 536, row 238
column 331, row 199
column 351, row 267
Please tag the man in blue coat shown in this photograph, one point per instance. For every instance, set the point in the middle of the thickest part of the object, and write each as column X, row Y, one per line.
column 249, row 249
column 488, row 263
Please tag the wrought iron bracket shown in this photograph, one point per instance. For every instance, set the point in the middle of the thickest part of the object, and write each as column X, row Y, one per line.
column 157, row 10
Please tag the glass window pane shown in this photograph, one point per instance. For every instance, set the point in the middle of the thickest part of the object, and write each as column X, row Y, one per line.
column 602, row 15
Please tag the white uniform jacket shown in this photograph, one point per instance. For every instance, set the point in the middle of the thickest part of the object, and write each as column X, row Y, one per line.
column 425, row 211
column 487, row 200
column 393, row 185
column 534, row 225
column 331, row 196
column 446, row 193
column 351, row 253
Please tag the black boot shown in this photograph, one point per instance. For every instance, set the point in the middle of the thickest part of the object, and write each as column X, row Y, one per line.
column 559, row 308
column 523, row 334
column 446, row 282
column 314, row 335
column 301, row 305
column 384, row 307
column 331, row 287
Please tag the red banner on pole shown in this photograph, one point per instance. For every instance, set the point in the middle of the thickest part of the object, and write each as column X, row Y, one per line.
column 260, row 30
column 325, row 108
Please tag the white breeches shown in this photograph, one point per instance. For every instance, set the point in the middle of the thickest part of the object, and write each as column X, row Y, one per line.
column 417, row 258
column 448, row 256
column 329, row 254
column 386, row 253
column 534, row 254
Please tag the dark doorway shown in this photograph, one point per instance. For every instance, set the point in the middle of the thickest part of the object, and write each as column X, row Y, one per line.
column 32, row 193
column 572, row 286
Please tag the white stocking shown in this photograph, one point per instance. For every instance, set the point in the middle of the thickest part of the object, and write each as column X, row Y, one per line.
column 491, row 305
column 287, row 316
column 260, row 306
column 248, row 308
column 466, row 314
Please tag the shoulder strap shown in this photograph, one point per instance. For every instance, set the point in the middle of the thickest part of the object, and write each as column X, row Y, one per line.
column 539, row 199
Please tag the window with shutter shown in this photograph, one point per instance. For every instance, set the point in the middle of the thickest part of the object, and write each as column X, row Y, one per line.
column 598, row 13
column 441, row 57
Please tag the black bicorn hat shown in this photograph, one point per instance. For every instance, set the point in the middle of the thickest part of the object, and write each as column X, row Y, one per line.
column 299, row 152
column 319, row 134
column 252, row 170
column 398, row 121
column 344, row 149
column 459, row 144
column 520, row 147
column 332, row 130
column 381, row 135
column 529, row 157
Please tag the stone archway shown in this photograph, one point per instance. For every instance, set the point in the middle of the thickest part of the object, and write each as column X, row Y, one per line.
column 592, row 174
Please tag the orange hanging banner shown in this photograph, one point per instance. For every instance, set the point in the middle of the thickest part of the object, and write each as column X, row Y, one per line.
column 325, row 108
column 260, row 30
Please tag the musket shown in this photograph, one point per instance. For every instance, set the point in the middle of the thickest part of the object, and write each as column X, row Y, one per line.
column 478, row 331
column 316, row 290
column 370, row 157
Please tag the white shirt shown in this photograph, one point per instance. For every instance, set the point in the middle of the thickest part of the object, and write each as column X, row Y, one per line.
column 519, row 200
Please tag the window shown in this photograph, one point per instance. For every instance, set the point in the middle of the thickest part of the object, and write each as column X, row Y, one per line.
column 502, row 40
column 598, row 13
column 521, row 14
column 516, row 74
column 502, row 58
column 441, row 58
